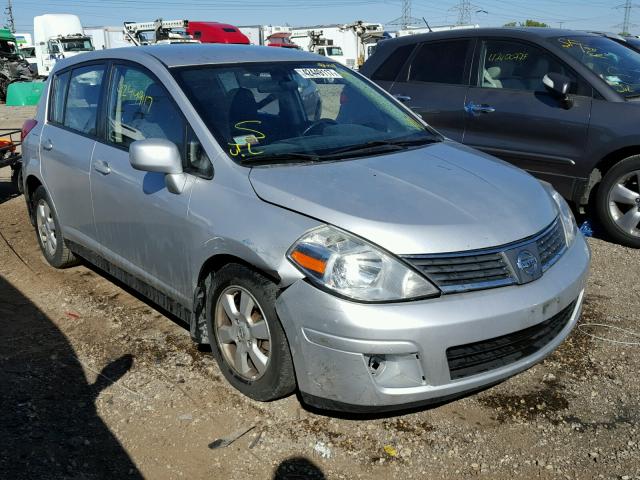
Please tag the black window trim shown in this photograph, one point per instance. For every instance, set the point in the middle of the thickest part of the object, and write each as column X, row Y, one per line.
column 405, row 73
column 405, row 65
column 478, row 58
column 70, row 69
column 102, row 123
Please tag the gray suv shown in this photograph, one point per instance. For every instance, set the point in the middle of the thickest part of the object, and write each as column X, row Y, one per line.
column 352, row 252
column 563, row 105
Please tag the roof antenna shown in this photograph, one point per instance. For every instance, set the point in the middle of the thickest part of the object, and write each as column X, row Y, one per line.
column 427, row 24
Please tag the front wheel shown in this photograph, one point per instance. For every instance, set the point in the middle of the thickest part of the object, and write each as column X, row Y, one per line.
column 618, row 202
column 248, row 340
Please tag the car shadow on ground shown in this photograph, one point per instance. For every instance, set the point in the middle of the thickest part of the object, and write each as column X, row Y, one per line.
column 49, row 424
column 8, row 189
column 296, row 468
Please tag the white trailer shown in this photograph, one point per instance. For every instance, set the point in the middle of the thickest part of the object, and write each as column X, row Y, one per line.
column 438, row 28
column 107, row 37
column 351, row 43
column 258, row 34
column 57, row 36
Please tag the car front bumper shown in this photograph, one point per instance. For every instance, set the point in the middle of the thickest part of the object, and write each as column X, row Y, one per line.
column 335, row 342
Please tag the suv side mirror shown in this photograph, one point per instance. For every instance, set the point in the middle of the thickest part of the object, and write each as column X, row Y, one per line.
column 558, row 85
column 161, row 156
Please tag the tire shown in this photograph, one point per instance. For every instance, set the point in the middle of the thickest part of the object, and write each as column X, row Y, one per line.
column 621, row 219
column 48, row 232
column 253, row 376
column 16, row 178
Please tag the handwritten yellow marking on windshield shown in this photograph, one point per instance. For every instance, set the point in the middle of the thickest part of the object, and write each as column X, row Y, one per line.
column 127, row 92
column 591, row 51
column 250, row 137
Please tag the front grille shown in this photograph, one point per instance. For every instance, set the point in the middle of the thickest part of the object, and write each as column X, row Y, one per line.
column 494, row 267
column 462, row 273
column 551, row 246
column 478, row 357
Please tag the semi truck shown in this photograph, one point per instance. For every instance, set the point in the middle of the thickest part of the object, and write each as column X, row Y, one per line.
column 58, row 36
column 215, row 32
column 261, row 34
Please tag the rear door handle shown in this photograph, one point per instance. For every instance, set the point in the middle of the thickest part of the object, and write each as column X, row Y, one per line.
column 475, row 109
column 47, row 144
column 102, row 167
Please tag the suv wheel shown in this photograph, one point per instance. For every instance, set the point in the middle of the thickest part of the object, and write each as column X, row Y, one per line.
column 618, row 202
column 248, row 340
column 49, row 234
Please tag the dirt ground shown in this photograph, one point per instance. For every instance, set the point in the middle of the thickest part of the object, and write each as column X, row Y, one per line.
column 96, row 383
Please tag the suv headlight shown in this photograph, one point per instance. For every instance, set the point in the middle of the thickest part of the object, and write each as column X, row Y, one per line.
column 566, row 215
column 353, row 268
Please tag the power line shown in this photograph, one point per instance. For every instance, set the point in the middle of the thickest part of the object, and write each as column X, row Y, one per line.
column 464, row 9
column 405, row 19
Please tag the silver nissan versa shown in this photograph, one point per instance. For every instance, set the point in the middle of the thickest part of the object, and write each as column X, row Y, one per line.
column 307, row 225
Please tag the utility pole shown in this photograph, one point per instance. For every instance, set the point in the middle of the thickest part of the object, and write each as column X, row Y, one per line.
column 10, row 21
column 626, row 24
column 464, row 8
column 405, row 19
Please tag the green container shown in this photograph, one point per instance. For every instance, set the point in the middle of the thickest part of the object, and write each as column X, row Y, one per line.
column 20, row 94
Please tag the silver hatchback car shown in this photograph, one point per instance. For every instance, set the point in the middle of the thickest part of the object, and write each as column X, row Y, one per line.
column 307, row 225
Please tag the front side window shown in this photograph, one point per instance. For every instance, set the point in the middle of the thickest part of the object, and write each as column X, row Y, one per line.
column 83, row 97
column 441, row 62
column 140, row 107
column 280, row 111
column 517, row 66
column 617, row 65
column 59, row 86
column 391, row 67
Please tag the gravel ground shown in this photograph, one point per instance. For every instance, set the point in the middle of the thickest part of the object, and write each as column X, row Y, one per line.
column 97, row 383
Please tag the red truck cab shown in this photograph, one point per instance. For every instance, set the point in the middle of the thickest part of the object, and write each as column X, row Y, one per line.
column 214, row 32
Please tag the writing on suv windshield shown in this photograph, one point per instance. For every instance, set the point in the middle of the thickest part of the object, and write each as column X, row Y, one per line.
column 292, row 111
column 616, row 64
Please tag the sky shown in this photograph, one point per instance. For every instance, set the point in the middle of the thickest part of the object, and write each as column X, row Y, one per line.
column 576, row 14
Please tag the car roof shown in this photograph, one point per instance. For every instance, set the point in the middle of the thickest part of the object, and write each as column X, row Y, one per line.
column 176, row 55
column 514, row 32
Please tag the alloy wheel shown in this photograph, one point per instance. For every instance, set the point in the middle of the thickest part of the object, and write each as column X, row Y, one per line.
column 46, row 228
column 242, row 333
column 624, row 203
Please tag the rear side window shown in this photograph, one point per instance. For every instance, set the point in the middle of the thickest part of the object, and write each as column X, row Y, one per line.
column 441, row 62
column 83, row 97
column 391, row 67
column 58, row 92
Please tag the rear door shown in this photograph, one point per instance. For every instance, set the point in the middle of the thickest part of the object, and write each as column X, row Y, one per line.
column 435, row 81
column 512, row 116
column 142, row 227
column 67, row 142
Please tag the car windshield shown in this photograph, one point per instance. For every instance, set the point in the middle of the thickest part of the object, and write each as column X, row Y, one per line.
column 616, row 64
column 334, row 51
column 290, row 111
column 77, row 45
column 8, row 48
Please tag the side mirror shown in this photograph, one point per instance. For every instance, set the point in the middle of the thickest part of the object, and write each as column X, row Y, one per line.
column 160, row 156
column 558, row 85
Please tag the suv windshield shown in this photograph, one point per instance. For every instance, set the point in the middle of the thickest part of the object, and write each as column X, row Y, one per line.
column 290, row 111
column 77, row 45
column 616, row 64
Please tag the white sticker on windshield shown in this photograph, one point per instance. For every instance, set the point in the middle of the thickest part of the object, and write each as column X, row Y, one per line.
column 311, row 73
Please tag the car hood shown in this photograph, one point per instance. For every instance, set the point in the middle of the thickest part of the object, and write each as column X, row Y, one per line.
column 444, row 197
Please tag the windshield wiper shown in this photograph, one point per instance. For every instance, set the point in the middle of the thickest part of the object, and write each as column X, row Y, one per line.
column 375, row 145
column 281, row 158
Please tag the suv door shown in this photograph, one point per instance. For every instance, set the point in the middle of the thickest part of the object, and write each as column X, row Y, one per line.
column 510, row 114
column 434, row 84
column 66, row 145
column 142, row 227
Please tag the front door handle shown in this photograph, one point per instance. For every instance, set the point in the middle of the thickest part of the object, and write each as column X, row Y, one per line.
column 476, row 109
column 402, row 98
column 102, row 167
column 47, row 144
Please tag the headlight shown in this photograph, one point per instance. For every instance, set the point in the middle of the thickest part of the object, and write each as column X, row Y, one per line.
column 566, row 215
column 353, row 268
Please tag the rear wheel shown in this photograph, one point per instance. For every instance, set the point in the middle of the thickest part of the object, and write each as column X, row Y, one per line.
column 248, row 340
column 48, row 232
column 618, row 202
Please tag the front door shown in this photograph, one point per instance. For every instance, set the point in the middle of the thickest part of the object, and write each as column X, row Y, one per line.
column 510, row 114
column 67, row 143
column 141, row 226
column 435, row 84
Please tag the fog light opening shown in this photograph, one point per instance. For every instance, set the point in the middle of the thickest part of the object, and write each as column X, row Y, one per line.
column 377, row 364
